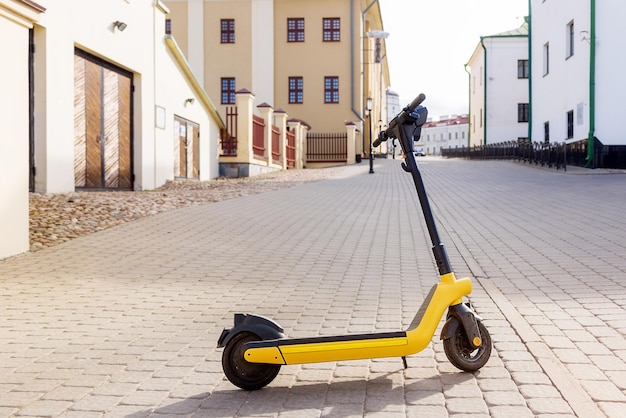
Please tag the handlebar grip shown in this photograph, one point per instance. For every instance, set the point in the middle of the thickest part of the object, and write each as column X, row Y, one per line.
column 382, row 136
column 416, row 102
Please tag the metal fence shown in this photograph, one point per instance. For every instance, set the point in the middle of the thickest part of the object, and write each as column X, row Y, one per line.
column 327, row 147
column 553, row 155
column 229, row 134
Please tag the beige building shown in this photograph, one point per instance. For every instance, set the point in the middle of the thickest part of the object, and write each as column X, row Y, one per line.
column 317, row 60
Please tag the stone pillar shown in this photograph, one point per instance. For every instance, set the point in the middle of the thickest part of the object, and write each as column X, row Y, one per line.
column 304, row 129
column 351, row 145
column 244, row 100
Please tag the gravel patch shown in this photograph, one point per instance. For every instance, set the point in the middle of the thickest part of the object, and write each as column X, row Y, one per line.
column 60, row 217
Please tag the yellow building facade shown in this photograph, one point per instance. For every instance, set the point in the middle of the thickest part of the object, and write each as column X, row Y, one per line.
column 318, row 60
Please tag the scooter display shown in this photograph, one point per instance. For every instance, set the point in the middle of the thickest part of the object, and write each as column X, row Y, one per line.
column 256, row 347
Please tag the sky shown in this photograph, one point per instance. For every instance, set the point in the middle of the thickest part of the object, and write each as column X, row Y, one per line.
column 430, row 41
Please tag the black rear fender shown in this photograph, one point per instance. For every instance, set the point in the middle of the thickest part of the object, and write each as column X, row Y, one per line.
column 265, row 328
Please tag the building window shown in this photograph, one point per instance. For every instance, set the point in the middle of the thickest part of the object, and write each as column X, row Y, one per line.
column 522, row 68
column 228, row 31
column 522, row 112
column 228, row 90
column 168, row 26
column 546, row 59
column 331, row 28
column 295, row 29
column 569, row 41
column 546, row 132
column 295, row 89
column 570, row 124
column 331, row 89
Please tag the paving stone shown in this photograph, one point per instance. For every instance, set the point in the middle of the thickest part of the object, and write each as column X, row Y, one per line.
column 466, row 406
column 548, row 406
column 135, row 332
column 45, row 408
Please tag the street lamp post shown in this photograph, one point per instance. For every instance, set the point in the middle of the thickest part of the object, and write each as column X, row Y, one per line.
column 368, row 112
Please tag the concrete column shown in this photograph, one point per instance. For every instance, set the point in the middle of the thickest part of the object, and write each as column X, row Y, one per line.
column 195, row 36
column 244, row 100
column 351, row 130
column 301, row 161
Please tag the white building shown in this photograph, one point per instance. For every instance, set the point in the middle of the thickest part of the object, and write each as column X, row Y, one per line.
column 448, row 132
column 577, row 81
column 499, row 88
column 16, row 20
column 111, row 104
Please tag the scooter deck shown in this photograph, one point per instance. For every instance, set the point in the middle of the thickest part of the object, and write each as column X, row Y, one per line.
column 363, row 346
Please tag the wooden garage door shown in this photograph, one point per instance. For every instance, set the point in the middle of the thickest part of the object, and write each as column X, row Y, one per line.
column 102, row 125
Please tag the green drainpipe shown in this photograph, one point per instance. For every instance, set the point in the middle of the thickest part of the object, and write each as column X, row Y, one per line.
column 530, row 72
column 592, row 88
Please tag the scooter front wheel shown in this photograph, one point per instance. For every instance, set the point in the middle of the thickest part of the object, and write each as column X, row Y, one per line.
column 461, row 353
column 245, row 375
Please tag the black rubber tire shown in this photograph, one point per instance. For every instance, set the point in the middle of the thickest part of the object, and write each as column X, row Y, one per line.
column 461, row 353
column 247, row 376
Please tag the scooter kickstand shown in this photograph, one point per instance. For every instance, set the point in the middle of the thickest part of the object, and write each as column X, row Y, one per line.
column 406, row 366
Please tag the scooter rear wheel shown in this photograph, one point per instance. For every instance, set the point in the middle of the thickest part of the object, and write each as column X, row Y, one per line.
column 247, row 376
column 462, row 354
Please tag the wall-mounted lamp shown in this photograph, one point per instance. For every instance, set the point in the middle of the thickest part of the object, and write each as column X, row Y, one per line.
column 119, row 25
column 190, row 101
column 368, row 106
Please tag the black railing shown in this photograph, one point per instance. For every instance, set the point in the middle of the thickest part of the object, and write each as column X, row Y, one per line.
column 538, row 153
column 327, row 147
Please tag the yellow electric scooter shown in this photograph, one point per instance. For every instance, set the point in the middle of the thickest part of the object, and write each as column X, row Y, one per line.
column 255, row 348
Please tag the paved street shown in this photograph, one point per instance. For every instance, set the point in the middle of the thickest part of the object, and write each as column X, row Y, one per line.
column 124, row 322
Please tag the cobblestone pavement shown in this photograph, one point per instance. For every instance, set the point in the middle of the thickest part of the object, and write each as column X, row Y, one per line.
column 124, row 322
column 60, row 217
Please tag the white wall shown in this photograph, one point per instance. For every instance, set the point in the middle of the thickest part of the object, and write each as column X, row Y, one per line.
column 14, row 137
column 475, row 66
column 263, row 50
column 566, row 86
column 610, row 64
column 138, row 49
column 493, row 118
column 89, row 26
column 173, row 100
column 504, row 89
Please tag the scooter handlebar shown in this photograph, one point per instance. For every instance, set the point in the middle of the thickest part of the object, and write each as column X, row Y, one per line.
column 382, row 137
column 416, row 102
